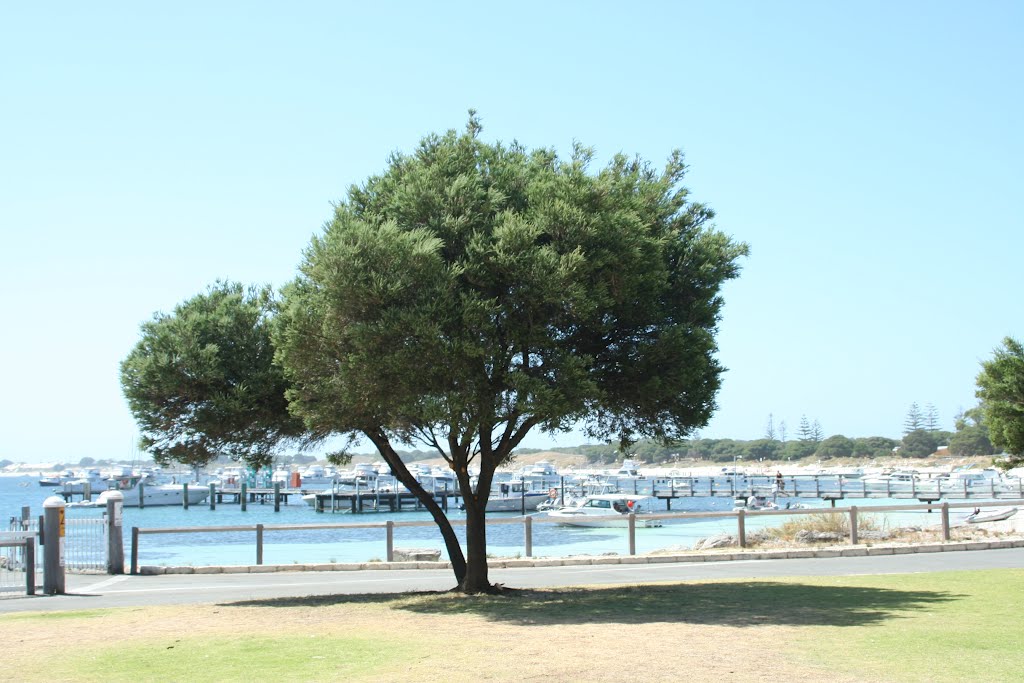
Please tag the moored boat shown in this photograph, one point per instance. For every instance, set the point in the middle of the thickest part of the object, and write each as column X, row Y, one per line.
column 607, row 510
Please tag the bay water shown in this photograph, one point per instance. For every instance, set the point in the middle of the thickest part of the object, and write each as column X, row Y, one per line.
column 323, row 546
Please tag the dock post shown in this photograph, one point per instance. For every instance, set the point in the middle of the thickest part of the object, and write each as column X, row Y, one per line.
column 528, row 531
column 135, row 551
column 632, row 533
column 53, row 550
column 277, row 496
column 213, row 496
column 142, row 494
column 115, row 539
column 853, row 525
column 945, row 520
column 259, row 544
column 87, row 491
column 390, row 552
column 741, row 527
column 184, row 498
column 243, row 495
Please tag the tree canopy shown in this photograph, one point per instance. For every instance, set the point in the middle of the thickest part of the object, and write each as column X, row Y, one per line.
column 201, row 381
column 1001, row 392
column 473, row 292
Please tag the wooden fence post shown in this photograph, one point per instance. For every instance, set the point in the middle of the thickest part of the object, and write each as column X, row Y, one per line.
column 945, row 521
column 259, row 544
column 528, row 531
column 390, row 553
column 741, row 523
column 632, row 533
column 135, row 551
column 853, row 525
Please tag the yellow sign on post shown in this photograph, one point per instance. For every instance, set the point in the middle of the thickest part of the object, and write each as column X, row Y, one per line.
column 60, row 521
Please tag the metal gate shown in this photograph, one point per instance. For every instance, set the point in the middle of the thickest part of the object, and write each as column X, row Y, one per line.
column 85, row 544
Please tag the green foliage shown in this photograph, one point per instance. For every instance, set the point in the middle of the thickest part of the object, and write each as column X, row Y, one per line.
column 798, row 450
column 918, row 444
column 874, row 447
column 476, row 291
column 971, row 437
column 1001, row 392
column 201, row 381
column 766, row 449
column 837, row 446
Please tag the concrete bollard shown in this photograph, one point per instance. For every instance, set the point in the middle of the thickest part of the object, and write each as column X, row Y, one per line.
column 115, row 534
column 53, row 551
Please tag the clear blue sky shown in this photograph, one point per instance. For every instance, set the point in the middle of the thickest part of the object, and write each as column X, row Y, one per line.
column 870, row 153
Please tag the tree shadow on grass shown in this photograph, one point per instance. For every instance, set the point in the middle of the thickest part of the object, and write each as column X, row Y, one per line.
column 741, row 604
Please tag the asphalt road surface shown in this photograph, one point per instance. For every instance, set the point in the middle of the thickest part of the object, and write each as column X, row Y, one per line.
column 85, row 591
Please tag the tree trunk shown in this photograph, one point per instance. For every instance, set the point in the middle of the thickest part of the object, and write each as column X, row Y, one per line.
column 401, row 472
column 476, row 580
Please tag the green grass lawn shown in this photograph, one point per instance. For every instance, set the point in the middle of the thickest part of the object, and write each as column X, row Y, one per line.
column 936, row 627
column 967, row 629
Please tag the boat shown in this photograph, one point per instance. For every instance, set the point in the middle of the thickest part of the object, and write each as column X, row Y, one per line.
column 511, row 497
column 754, row 502
column 978, row 518
column 135, row 487
column 606, row 510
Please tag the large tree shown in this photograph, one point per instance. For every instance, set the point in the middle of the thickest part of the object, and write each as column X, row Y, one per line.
column 1001, row 392
column 201, row 381
column 474, row 292
column 971, row 437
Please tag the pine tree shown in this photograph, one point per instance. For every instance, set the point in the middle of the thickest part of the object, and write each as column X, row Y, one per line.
column 769, row 431
column 782, row 431
column 816, row 432
column 931, row 419
column 806, row 433
column 914, row 420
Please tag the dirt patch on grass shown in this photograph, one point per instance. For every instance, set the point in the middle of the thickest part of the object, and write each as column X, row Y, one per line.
column 467, row 646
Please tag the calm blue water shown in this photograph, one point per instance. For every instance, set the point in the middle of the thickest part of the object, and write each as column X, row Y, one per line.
column 362, row 545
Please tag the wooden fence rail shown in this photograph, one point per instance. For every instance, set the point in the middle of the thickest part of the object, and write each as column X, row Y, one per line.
column 260, row 530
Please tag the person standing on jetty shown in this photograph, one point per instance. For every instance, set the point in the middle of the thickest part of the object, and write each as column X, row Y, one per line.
column 780, row 485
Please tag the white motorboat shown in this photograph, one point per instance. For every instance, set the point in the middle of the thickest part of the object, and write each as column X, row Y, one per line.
column 135, row 488
column 607, row 510
column 510, row 497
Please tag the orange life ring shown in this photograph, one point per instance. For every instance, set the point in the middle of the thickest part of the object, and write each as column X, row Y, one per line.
column 552, row 493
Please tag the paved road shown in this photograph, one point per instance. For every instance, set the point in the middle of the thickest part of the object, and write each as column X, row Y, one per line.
column 91, row 591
